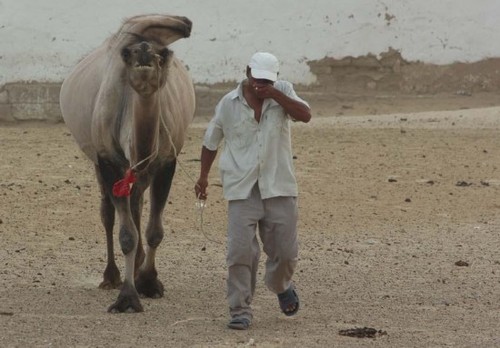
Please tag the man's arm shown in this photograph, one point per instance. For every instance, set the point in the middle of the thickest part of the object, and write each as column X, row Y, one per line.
column 297, row 110
column 207, row 158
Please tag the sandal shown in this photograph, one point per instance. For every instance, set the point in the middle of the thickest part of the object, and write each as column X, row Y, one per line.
column 239, row 323
column 287, row 298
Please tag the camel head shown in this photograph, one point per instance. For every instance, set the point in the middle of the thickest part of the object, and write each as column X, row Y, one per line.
column 142, row 42
column 146, row 66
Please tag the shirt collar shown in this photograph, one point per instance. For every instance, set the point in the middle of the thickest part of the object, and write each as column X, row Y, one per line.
column 238, row 92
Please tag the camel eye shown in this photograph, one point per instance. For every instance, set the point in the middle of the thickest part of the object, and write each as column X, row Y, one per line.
column 164, row 54
column 126, row 55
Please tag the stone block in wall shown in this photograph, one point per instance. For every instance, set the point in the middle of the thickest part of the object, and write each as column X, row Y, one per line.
column 5, row 108
column 6, row 113
column 33, row 92
column 34, row 101
column 207, row 97
column 36, row 112
column 323, row 70
column 368, row 61
column 340, row 63
column 4, row 96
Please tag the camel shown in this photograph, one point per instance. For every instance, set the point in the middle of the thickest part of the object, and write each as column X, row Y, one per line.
column 128, row 105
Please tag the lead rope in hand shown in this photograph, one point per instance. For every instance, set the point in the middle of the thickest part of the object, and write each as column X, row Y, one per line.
column 200, row 204
column 122, row 187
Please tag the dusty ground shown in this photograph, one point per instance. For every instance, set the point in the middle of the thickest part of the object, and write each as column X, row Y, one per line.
column 399, row 231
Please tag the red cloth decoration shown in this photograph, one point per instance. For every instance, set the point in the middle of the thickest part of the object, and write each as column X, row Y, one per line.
column 121, row 188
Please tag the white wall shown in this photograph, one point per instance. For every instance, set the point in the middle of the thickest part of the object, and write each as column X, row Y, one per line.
column 41, row 40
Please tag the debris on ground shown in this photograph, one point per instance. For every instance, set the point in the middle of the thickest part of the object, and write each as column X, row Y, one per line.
column 362, row 332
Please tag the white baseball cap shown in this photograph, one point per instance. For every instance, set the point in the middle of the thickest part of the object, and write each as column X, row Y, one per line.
column 264, row 65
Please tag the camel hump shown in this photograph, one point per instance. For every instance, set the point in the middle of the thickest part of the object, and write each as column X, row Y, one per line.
column 163, row 29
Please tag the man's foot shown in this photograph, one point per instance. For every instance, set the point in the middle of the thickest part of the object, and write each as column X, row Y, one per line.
column 289, row 301
column 239, row 323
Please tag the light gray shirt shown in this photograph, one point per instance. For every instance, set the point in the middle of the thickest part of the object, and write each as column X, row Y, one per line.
column 253, row 151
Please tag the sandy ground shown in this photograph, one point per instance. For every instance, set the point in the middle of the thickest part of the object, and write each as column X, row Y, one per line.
column 399, row 231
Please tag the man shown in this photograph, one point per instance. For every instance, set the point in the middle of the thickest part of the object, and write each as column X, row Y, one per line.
column 259, row 183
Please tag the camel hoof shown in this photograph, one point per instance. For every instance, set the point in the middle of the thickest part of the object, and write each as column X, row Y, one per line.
column 110, row 285
column 127, row 302
column 111, row 278
column 148, row 285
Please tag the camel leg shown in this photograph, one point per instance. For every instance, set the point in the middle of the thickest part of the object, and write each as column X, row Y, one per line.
column 128, row 299
column 147, row 282
column 136, row 204
column 111, row 276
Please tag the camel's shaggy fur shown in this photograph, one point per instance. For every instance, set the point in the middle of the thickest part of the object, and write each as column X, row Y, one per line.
column 128, row 105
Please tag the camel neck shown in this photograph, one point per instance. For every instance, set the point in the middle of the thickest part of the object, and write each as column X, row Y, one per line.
column 146, row 117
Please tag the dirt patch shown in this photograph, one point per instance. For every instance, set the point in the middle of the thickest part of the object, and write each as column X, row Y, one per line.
column 382, row 224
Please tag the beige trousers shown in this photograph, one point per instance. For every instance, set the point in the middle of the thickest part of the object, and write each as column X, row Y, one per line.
column 276, row 219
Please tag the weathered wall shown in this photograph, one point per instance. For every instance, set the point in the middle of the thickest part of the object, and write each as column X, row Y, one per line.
column 43, row 40
column 392, row 73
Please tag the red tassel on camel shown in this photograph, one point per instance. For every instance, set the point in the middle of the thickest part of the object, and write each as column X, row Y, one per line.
column 121, row 188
